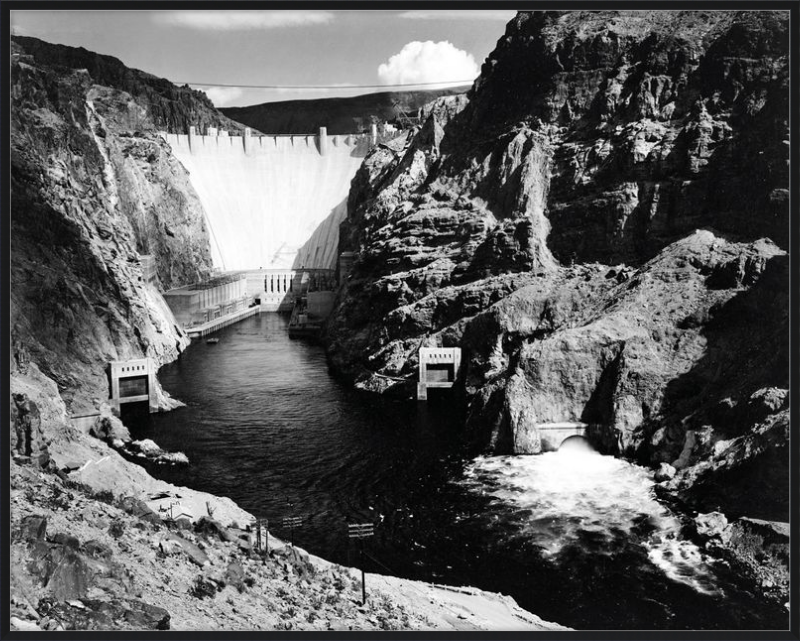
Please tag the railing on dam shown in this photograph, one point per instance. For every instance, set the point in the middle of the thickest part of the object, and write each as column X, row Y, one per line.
column 250, row 143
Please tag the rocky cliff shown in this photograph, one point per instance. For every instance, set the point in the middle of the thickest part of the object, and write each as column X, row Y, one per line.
column 602, row 227
column 92, row 189
column 159, row 101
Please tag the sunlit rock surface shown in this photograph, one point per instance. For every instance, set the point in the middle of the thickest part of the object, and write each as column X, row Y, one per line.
column 601, row 228
column 92, row 189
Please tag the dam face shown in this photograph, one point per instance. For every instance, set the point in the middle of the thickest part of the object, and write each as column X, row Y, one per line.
column 272, row 202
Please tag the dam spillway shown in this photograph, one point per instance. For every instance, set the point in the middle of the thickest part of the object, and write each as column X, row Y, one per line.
column 271, row 202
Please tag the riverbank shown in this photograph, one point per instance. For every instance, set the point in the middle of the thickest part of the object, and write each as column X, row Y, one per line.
column 86, row 555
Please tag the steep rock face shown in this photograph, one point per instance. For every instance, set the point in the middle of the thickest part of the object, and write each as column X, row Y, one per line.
column 89, row 194
column 549, row 228
column 665, row 122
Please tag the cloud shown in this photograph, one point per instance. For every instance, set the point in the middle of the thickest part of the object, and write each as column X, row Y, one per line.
column 428, row 62
column 504, row 16
column 222, row 96
column 240, row 20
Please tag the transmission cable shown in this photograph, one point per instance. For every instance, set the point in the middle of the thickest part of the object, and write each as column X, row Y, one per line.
column 390, row 86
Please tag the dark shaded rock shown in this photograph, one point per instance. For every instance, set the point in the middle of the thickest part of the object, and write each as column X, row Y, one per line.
column 208, row 526
column 71, row 575
column 139, row 509
column 170, row 547
column 68, row 571
column 27, row 438
column 97, row 549
column 293, row 558
column 117, row 528
column 66, row 540
column 114, row 614
column 235, row 575
column 32, row 528
column 761, row 550
column 204, row 587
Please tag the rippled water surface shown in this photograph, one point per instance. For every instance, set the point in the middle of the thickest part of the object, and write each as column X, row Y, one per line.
column 573, row 536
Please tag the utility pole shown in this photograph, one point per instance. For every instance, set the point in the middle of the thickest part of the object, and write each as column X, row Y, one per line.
column 361, row 531
column 292, row 522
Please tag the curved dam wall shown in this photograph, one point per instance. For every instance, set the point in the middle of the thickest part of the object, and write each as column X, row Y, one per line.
column 272, row 202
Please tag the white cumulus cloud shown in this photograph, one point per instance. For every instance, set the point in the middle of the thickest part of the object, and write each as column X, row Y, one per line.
column 240, row 20
column 428, row 62
column 222, row 96
column 474, row 14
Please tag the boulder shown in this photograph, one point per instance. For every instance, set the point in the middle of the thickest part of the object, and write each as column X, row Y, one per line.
column 208, row 526
column 665, row 472
column 139, row 509
column 67, row 540
column 109, row 428
column 204, row 587
column 713, row 526
column 146, row 447
column 170, row 547
column 32, row 528
column 28, row 441
column 112, row 614
column 71, row 574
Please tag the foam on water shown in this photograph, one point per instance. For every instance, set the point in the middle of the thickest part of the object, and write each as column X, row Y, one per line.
column 573, row 494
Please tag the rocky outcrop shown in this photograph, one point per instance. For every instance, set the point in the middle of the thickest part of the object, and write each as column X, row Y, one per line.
column 92, row 189
column 159, row 102
column 84, row 560
column 601, row 228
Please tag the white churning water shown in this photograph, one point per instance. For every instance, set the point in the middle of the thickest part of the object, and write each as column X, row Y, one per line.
column 575, row 493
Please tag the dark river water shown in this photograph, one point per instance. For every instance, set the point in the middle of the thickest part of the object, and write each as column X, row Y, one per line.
column 574, row 537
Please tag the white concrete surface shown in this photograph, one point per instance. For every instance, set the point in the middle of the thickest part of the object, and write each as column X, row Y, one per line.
column 276, row 204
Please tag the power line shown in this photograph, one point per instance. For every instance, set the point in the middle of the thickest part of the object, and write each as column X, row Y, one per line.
column 392, row 86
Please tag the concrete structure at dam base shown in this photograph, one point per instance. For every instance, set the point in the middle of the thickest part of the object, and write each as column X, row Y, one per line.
column 276, row 290
column 203, row 308
column 203, row 302
column 438, row 368
column 132, row 381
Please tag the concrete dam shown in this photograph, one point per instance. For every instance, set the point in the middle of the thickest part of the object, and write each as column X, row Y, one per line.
column 271, row 201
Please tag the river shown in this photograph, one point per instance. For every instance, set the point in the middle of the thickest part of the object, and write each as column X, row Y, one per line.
column 573, row 536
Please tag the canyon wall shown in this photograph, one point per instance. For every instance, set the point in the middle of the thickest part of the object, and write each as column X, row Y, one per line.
column 276, row 204
column 90, row 194
column 602, row 228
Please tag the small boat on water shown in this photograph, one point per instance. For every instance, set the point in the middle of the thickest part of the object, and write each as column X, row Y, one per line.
column 212, row 341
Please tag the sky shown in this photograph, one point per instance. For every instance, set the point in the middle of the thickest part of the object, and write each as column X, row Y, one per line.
column 336, row 49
